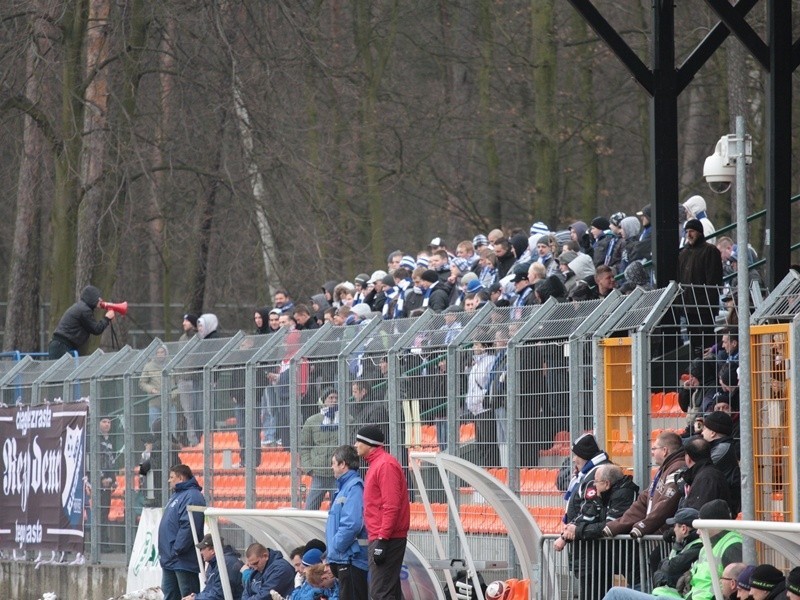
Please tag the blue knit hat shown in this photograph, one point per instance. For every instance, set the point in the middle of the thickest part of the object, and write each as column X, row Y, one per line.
column 312, row 557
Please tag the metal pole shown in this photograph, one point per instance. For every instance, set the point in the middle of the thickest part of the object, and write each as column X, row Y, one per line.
column 743, row 306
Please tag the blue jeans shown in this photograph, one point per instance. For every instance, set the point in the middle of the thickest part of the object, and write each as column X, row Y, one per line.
column 621, row 593
column 319, row 487
column 177, row 584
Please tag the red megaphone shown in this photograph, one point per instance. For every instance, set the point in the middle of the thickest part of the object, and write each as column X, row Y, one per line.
column 118, row 307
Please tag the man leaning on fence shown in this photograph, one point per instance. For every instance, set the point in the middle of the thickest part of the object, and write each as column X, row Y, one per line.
column 594, row 561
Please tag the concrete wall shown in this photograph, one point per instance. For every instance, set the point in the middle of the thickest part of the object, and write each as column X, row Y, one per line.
column 21, row 581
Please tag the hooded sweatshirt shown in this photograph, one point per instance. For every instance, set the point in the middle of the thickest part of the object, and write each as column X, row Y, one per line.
column 78, row 321
column 207, row 326
column 696, row 207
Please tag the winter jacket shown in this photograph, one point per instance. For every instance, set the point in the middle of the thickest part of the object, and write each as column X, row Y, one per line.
column 317, row 441
column 345, row 525
column 704, row 483
column 700, row 264
column 213, row 589
column 656, row 504
column 679, row 561
column 438, row 297
column 597, row 510
column 387, row 513
column 78, row 323
column 278, row 575
column 176, row 550
column 723, row 455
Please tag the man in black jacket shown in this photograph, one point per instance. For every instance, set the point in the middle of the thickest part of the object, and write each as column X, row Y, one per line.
column 717, row 430
column 703, row 480
column 78, row 323
column 606, row 498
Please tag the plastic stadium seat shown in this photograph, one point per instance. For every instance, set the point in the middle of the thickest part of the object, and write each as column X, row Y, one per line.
column 561, row 445
column 466, row 433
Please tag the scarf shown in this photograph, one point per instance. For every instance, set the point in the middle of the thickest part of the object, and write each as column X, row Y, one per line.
column 330, row 418
column 581, row 475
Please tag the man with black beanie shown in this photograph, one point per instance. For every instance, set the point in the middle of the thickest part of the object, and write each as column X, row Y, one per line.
column 767, row 583
column 793, row 584
column 387, row 514
column 717, row 429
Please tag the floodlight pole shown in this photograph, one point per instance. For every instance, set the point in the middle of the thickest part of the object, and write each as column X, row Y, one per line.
column 743, row 307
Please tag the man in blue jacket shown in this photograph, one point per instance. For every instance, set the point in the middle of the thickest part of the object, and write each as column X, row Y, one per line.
column 233, row 564
column 268, row 571
column 180, row 573
column 345, row 533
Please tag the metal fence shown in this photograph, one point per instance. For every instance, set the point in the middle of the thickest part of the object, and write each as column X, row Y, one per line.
column 256, row 417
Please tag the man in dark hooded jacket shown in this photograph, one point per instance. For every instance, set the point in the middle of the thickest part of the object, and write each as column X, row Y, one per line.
column 233, row 566
column 78, row 323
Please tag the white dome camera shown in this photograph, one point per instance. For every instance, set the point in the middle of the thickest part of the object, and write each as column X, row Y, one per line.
column 718, row 169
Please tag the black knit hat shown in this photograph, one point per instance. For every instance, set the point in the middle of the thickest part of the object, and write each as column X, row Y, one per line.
column 192, row 318
column 430, row 276
column 693, row 224
column 586, row 447
column 601, row 223
column 371, row 435
column 719, row 421
column 793, row 581
column 765, row 577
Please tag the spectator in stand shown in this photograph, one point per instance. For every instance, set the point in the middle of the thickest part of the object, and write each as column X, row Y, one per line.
column 189, row 327
column 438, row 243
column 329, row 316
column 660, row 500
column 636, row 277
column 767, row 583
column 376, row 297
column 696, row 394
column 282, row 301
column 344, row 294
column 440, row 262
column 669, row 578
column 494, row 235
column 793, row 584
column 717, row 431
column 207, row 326
column 696, row 209
column 233, row 564
column 303, row 318
column 728, row 580
column 642, row 250
column 601, row 237
column 545, row 256
column 752, row 272
column 525, row 295
column 505, row 257
column 487, row 263
column 476, row 402
column 480, row 241
column 629, row 231
column 403, row 286
column 604, row 279
column 552, row 287
column 415, row 294
column 536, row 272
column 287, row 321
column 78, row 323
column 578, row 233
column 725, row 247
column 360, row 285
column 267, row 571
column 700, row 266
column 435, row 295
column 274, row 320
column 109, row 467
column 393, row 261
column 743, row 583
column 367, row 408
column 318, row 438
column 616, row 242
column 703, row 481
column 466, row 252
column 261, row 320
column 606, row 498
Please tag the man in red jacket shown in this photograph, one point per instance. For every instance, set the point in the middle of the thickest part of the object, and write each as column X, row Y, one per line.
column 387, row 514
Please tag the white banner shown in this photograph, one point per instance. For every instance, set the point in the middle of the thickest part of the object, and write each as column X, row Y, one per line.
column 144, row 570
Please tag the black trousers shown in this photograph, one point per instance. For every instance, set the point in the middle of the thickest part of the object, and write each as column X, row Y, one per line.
column 384, row 580
column 352, row 582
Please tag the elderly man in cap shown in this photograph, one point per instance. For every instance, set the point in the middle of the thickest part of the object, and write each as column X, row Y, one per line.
column 700, row 264
column 233, row 565
column 767, row 583
column 387, row 514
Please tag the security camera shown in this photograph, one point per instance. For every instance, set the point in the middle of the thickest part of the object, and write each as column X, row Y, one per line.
column 718, row 169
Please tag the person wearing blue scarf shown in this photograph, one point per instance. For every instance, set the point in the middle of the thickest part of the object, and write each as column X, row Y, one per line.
column 586, row 457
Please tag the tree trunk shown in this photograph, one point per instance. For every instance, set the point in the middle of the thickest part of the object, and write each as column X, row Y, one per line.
column 544, row 202
column 22, row 315
column 95, row 145
column 67, row 164
column 485, row 70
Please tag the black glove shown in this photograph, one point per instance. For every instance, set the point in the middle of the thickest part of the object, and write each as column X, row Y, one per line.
column 379, row 552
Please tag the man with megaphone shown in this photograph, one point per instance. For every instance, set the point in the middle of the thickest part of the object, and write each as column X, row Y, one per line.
column 78, row 323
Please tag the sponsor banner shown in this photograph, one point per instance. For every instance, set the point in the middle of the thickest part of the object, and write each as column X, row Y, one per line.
column 43, row 462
